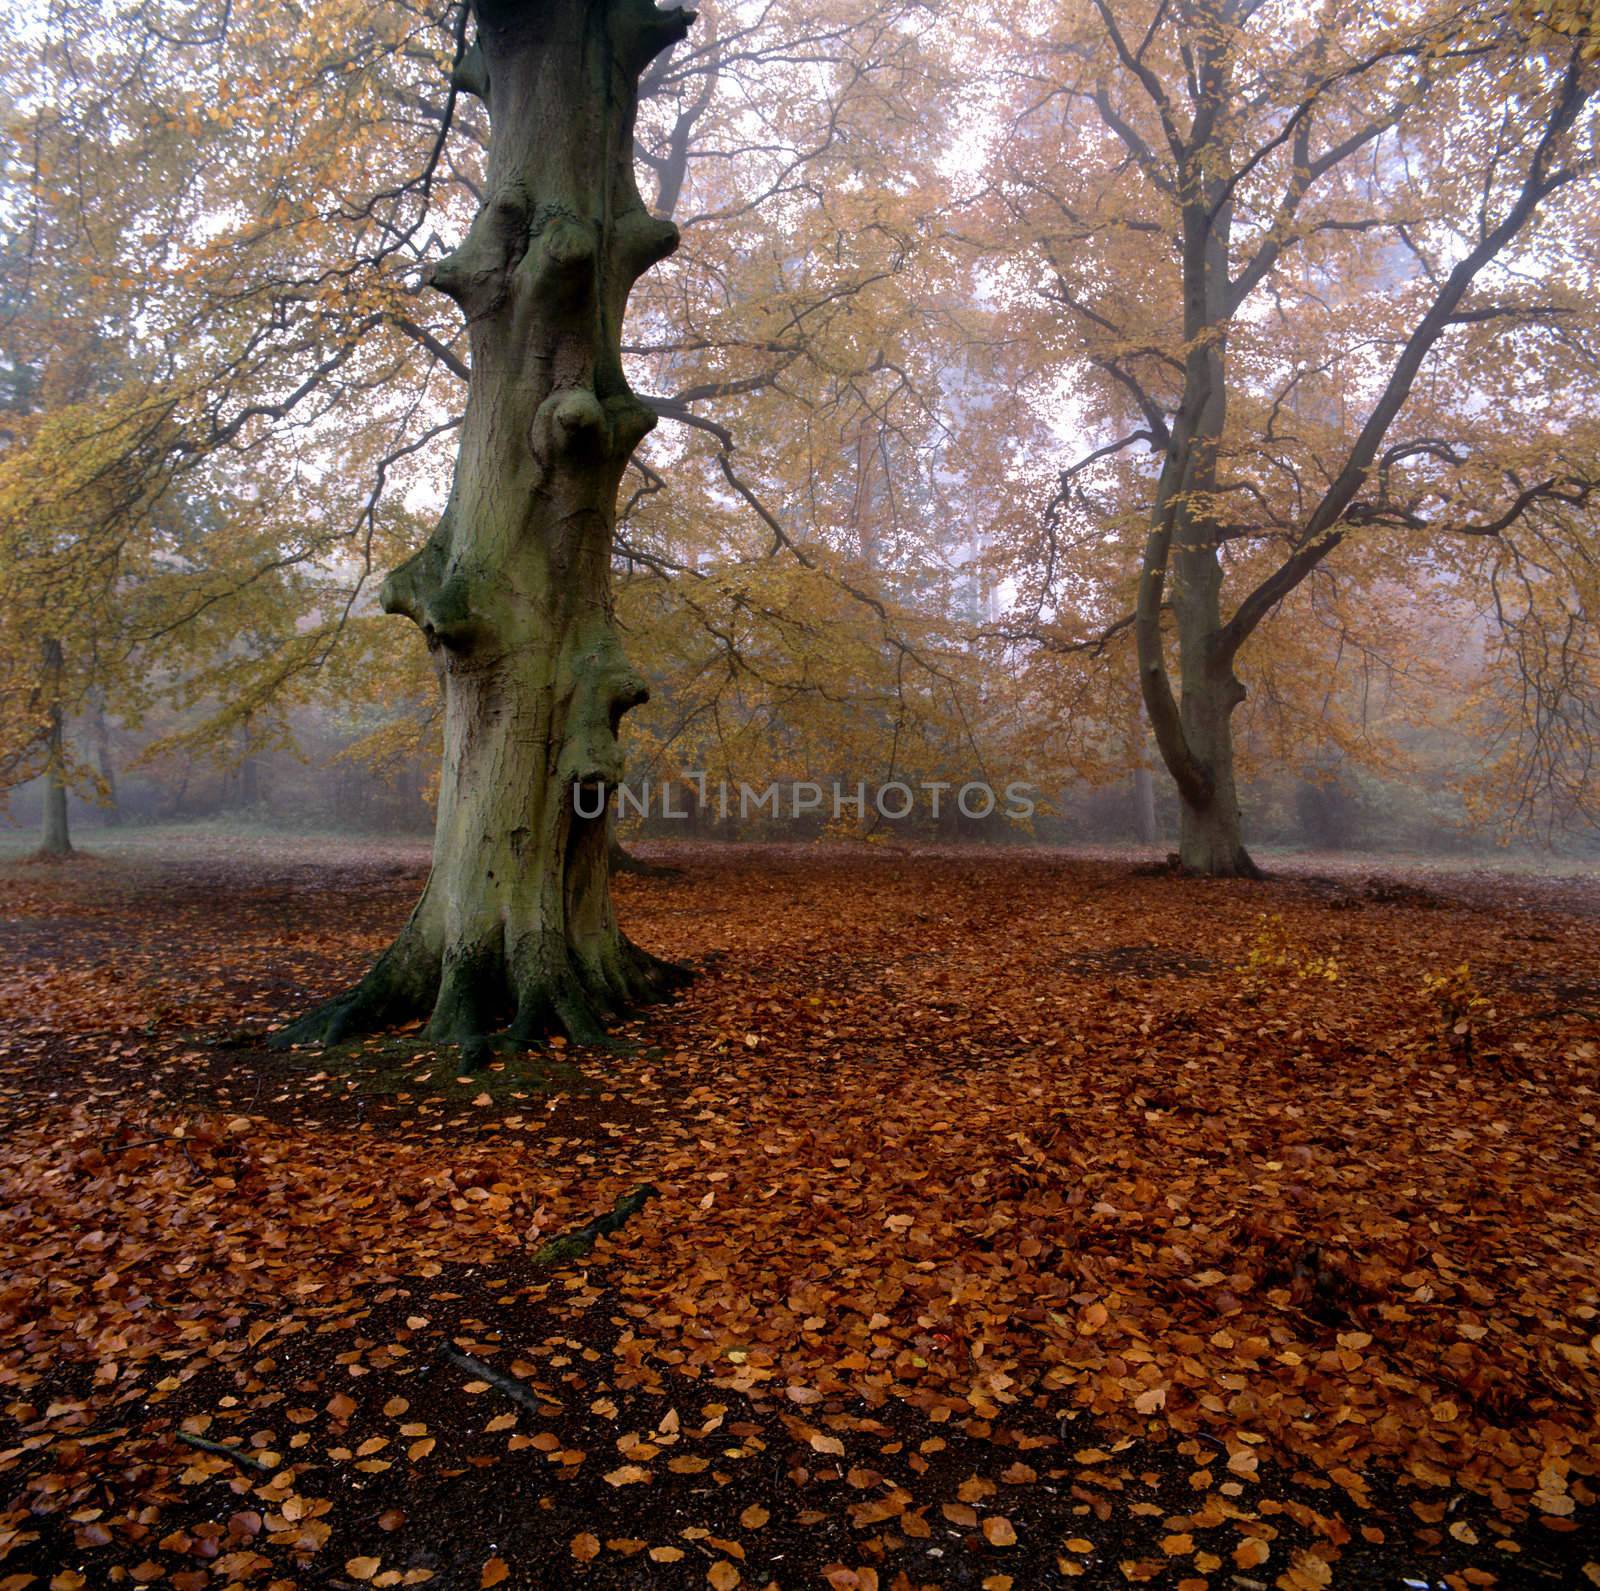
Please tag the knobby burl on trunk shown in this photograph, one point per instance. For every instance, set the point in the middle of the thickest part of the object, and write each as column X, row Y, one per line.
column 515, row 929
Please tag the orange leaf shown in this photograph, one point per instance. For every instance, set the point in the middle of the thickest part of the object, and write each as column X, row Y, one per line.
column 1250, row 1552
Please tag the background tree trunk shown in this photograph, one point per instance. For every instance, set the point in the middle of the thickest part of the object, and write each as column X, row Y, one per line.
column 513, row 590
column 105, row 763
column 1210, row 834
column 249, row 770
column 1144, row 806
column 1194, row 731
column 55, row 839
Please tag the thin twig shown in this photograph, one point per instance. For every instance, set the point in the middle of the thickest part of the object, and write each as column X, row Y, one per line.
column 222, row 1450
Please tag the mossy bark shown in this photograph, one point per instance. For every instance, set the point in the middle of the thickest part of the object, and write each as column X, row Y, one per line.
column 515, row 929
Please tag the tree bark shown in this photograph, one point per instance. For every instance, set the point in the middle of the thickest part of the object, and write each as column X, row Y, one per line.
column 249, row 773
column 105, row 764
column 1193, row 727
column 1210, row 830
column 1193, row 730
column 1144, row 806
column 515, row 929
column 56, row 839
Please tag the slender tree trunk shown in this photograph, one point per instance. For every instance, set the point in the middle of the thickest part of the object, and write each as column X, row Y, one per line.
column 1144, row 806
column 1142, row 785
column 249, row 772
column 56, row 839
column 515, row 928
column 104, row 763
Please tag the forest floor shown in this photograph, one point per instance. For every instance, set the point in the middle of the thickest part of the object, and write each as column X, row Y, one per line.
column 1020, row 1220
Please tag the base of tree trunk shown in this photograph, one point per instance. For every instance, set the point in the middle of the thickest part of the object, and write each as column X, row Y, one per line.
column 1209, row 846
column 482, row 1005
column 57, row 855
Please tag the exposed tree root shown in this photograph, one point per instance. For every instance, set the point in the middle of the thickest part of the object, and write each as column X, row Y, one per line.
column 45, row 857
column 624, row 861
column 568, row 1246
column 481, row 999
column 1244, row 866
column 399, row 988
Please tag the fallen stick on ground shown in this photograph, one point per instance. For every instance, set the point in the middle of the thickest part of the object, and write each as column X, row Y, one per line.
column 568, row 1246
column 509, row 1385
column 576, row 1243
column 222, row 1450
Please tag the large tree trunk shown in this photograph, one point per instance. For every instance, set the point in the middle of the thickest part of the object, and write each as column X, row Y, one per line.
column 55, row 840
column 1193, row 730
column 1210, row 834
column 515, row 928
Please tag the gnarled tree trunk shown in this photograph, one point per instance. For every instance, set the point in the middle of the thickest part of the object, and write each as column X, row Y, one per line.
column 515, row 929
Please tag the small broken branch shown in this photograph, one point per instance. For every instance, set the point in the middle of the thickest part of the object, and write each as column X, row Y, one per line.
column 509, row 1385
column 568, row 1246
column 223, row 1450
column 575, row 1244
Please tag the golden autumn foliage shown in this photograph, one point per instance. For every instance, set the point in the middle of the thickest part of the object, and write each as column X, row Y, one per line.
column 927, row 274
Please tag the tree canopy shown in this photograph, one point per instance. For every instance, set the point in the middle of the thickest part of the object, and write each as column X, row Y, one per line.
column 1028, row 387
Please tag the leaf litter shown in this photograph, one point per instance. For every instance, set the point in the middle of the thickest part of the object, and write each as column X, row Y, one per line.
column 984, row 1251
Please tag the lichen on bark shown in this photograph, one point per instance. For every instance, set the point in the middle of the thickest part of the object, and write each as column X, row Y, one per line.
column 515, row 930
